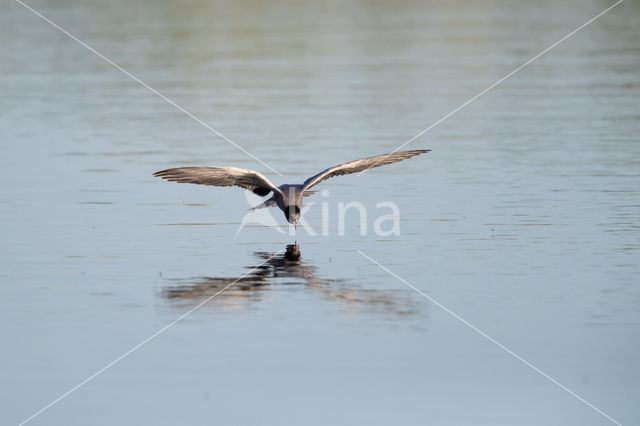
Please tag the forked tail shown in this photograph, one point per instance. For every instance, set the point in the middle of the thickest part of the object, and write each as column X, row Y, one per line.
column 269, row 203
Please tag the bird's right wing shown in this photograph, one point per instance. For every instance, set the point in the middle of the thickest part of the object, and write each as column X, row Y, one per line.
column 360, row 165
column 220, row 176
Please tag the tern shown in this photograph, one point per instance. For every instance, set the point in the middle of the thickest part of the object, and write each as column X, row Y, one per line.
column 287, row 197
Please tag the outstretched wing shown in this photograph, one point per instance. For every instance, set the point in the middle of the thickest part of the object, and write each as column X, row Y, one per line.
column 220, row 176
column 361, row 165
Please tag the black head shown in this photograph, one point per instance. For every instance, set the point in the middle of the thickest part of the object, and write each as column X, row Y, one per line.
column 292, row 213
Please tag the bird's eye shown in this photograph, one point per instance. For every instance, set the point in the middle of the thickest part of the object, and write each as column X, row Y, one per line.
column 292, row 212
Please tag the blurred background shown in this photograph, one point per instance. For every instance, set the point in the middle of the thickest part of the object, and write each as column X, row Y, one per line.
column 524, row 219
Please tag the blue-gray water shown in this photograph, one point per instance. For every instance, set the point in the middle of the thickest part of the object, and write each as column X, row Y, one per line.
column 524, row 219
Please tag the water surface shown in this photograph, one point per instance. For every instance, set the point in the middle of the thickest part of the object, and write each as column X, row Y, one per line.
column 524, row 219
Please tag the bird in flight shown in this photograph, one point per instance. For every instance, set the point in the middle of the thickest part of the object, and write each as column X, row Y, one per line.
column 287, row 197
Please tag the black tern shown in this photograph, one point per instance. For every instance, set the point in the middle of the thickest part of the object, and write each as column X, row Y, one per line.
column 287, row 197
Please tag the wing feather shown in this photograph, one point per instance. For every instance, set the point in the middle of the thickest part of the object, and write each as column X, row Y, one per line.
column 361, row 165
column 220, row 176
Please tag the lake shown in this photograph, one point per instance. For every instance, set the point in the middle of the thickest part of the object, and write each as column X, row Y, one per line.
column 523, row 220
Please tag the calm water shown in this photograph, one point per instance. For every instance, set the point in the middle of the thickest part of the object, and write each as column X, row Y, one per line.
column 524, row 219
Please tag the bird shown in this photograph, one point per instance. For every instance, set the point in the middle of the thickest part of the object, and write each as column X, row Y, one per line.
column 287, row 197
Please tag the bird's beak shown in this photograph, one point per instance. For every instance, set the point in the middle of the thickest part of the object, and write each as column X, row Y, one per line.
column 295, row 224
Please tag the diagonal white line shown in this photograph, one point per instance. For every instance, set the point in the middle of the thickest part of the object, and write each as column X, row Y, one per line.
column 133, row 77
column 491, row 339
column 496, row 83
column 145, row 341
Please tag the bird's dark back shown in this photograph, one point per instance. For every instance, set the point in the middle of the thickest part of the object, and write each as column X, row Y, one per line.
column 291, row 194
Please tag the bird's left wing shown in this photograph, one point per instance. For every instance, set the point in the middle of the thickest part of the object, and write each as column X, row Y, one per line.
column 360, row 165
column 220, row 176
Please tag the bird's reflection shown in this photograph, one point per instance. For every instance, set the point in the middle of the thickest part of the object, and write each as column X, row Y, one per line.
column 288, row 268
